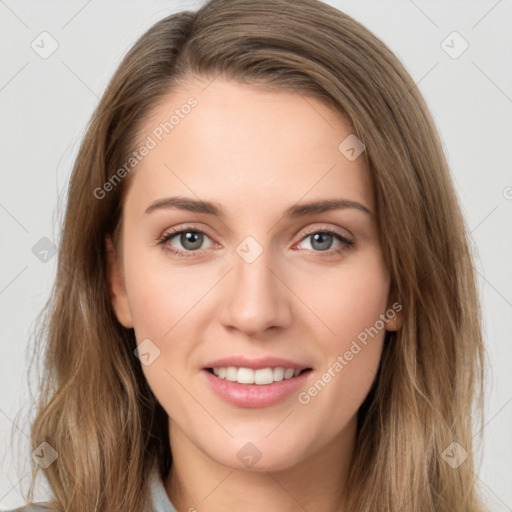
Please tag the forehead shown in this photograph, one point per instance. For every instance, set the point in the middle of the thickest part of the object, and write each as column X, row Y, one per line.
column 245, row 146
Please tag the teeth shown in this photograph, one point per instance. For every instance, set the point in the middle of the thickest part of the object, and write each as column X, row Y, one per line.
column 231, row 373
column 245, row 376
column 278, row 374
column 250, row 376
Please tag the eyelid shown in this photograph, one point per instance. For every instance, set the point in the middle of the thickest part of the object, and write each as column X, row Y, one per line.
column 337, row 230
column 172, row 232
column 313, row 229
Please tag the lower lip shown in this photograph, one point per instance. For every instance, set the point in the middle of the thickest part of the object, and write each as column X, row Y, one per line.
column 255, row 395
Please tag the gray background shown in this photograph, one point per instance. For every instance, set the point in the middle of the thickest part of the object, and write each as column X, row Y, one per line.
column 45, row 104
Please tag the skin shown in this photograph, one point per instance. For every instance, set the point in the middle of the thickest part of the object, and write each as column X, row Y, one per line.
column 255, row 153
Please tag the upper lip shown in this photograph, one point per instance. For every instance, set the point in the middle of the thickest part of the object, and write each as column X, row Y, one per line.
column 255, row 363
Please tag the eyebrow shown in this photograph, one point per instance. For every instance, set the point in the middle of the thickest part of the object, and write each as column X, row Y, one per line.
column 294, row 211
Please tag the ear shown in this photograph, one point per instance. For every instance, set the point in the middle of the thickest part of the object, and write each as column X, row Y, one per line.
column 118, row 295
column 396, row 313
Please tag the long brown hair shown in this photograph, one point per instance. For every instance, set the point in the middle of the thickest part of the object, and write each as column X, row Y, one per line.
column 95, row 407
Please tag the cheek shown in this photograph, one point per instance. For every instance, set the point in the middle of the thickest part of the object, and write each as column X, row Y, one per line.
column 352, row 346
column 162, row 296
column 351, row 300
column 165, row 303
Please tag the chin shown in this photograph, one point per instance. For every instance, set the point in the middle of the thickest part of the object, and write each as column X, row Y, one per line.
column 258, row 456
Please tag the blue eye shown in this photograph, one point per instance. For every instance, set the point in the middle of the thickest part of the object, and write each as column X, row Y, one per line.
column 192, row 239
column 321, row 241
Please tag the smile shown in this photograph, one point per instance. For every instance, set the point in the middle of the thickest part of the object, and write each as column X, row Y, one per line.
column 262, row 376
column 263, row 386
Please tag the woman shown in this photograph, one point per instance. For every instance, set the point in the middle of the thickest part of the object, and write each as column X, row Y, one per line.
column 318, row 345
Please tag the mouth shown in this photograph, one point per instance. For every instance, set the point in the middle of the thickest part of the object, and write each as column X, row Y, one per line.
column 255, row 383
column 259, row 377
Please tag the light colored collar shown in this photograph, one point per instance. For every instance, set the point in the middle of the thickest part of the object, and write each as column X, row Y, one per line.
column 159, row 500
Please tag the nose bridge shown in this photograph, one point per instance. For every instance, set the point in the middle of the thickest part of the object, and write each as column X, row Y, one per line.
column 256, row 299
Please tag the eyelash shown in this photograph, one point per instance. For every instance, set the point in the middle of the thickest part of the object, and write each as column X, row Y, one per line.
column 346, row 243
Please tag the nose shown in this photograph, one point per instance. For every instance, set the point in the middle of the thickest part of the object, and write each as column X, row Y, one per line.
column 256, row 296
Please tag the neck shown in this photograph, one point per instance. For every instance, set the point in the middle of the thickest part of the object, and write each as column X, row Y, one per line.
column 197, row 482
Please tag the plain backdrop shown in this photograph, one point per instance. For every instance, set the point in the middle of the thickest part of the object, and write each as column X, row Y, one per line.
column 46, row 101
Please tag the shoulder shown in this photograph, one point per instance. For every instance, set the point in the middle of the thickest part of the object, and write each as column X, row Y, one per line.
column 33, row 507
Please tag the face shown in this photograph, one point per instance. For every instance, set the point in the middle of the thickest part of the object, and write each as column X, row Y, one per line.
column 231, row 298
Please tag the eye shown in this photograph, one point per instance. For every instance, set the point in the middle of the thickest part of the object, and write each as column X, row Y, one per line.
column 322, row 240
column 190, row 239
